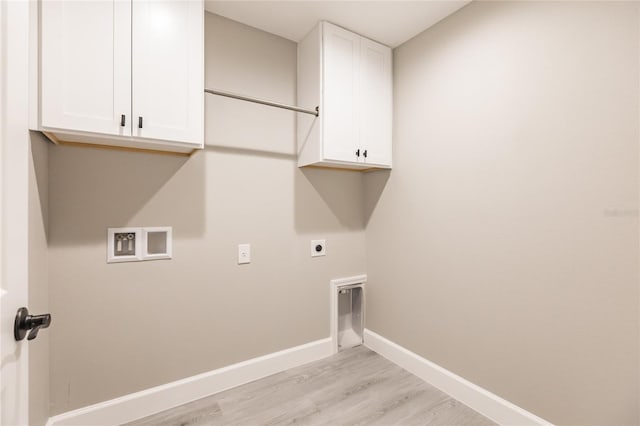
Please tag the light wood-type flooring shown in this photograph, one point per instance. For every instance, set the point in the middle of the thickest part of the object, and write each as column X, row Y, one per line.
column 354, row 387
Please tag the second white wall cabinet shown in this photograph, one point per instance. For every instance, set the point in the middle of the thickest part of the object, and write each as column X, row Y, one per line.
column 350, row 78
column 123, row 73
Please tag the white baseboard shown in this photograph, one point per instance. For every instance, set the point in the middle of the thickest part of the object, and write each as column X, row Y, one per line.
column 150, row 401
column 481, row 400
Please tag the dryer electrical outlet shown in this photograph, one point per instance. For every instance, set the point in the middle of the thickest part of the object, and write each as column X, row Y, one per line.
column 318, row 248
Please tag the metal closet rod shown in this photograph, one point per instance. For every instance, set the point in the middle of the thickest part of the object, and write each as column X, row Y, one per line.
column 315, row 112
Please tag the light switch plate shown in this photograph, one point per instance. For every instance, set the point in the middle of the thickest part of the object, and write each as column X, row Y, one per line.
column 318, row 248
column 244, row 254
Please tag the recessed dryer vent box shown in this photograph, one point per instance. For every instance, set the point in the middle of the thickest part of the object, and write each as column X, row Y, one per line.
column 347, row 312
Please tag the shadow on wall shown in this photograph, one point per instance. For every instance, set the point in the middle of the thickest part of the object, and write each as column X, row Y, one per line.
column 374, row 184
column 39, row 146
column 328, row 200
column 225, row 149
column 93, row 189
column 231, row 123
column 325, row 200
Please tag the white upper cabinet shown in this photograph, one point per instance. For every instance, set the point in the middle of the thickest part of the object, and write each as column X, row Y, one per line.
column 123, row 73
column 168, row 70
column 349, row 77
column 86, row 65
column 341, row 87
column 376, row 102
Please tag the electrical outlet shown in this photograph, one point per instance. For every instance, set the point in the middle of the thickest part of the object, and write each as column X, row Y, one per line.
column 318, row 248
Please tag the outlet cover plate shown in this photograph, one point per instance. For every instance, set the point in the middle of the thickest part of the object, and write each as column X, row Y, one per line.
column 244, row 254
column 318, row 248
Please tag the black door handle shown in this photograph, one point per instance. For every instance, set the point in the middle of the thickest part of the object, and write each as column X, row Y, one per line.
column 140, row 122
column 25, row 322
column 364, row 154
column 123, row 120
column 358, row 153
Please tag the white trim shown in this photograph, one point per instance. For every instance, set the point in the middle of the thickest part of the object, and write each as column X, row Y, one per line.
column 357, row 279
column 34, row 65
column 334, row 286
column 147, row 402
column 484, row 402
column 154, row 400
column 14, row 224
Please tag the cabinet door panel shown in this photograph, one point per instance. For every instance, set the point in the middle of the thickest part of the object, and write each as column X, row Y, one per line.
column 86, row 65
column 340, row 89
column 168, row 70
column 376, row 105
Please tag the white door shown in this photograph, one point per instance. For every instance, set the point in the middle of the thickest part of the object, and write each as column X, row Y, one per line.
column 376, row 102
column 86, row 66
column 168, row 70
column 341, row 51
column 14, row 157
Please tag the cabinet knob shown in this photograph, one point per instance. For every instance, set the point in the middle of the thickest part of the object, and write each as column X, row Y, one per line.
column 123, row 120
column 364, row 154
column 140, row 122
column 358, row 153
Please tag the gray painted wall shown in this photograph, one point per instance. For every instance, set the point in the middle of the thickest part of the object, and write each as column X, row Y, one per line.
column 121, row 328
column 38, row 277
column 504, row 243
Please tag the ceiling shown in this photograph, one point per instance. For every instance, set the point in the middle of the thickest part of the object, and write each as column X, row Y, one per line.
column 388, row 22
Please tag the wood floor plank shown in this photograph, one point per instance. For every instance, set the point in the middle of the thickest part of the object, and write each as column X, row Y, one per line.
column 354, row 387
column 200, row 412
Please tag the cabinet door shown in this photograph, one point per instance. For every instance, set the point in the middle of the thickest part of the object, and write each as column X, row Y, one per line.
column 376, row 102
column 86, row 66
column 341, row 50
column 168, row 70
